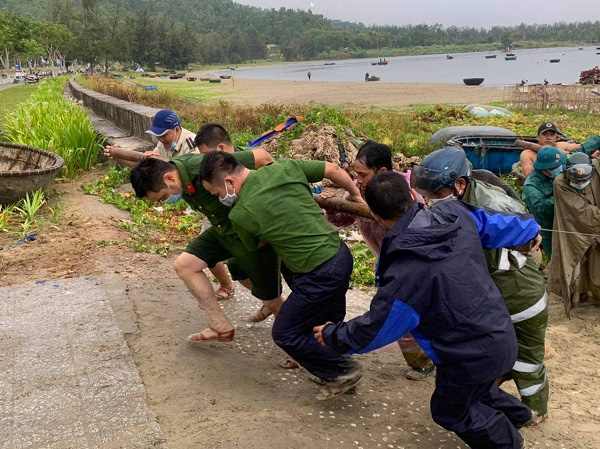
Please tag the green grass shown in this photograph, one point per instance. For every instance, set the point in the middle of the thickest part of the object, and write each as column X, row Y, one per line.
column 47, row 121
column 201, row 91
column 12, row 97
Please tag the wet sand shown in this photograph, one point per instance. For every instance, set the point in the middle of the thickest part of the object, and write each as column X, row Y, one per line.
column 344, row 94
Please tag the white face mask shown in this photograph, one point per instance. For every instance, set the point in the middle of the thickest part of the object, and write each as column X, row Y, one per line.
column 580, row 186
column 434, row 201
column 229, row 198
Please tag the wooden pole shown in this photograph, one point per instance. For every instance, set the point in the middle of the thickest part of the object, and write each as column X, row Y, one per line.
column 342, row 205
column 528, row 145
column 126, row 155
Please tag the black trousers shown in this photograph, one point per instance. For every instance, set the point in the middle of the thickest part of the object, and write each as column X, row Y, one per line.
column 317, row 297
column 483, row 415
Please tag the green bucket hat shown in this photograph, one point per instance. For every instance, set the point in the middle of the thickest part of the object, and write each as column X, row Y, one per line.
column 549, row 158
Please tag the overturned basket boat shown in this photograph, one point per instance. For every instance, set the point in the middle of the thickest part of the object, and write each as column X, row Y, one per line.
column 24, row 169
column 473, row 81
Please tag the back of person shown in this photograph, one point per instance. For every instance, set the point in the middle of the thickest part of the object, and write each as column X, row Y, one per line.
column 464, row 325
column 304, row 239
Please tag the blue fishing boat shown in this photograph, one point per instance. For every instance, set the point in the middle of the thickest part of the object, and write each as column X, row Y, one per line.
column 497, row 154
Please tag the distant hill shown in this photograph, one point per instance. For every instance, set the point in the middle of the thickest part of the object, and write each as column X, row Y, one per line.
column 214, row 31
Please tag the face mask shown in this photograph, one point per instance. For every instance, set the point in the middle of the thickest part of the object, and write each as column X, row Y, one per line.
column 557, row 171
column 173, row 146
column 580, row 187
column 174, row 198
column 229, row 198
column 437, row 200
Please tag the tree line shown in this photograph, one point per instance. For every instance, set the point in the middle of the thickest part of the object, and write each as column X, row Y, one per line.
column 179, row 32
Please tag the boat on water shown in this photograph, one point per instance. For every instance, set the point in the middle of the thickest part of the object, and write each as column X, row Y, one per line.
column 473, row 81
column 510, row 58
column 373, row 78
column 554, row 61
column 581, row 48
column 225, row 77
column 329, row 63
column 510, row 54
column 449, row 57
column 381, row 62
column 490, row 56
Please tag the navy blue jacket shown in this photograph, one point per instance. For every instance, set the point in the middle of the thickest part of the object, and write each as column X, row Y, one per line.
column 434, row 283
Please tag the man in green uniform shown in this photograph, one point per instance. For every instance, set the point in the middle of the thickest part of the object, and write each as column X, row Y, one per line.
column 516, row 275
column 538, row 192
column 163, row 181
column 274, row 205
column 213, row 137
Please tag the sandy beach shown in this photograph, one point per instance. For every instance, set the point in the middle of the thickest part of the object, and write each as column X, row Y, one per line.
column 352, row 94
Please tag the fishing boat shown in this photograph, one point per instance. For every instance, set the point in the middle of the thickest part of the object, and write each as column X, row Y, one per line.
column 373, row 78
column 192, row 78
column 554, row 61
column 225, row 77
column 173, row 77
column 214, row 80
column 581, row 48
column 24, row 169
column 510, row 54
column 510, row 58
column 490, row 56
column 381, row 62
column 473, row 81
column 329, row 63
column 497, row 154
column 449, row 57
column 374, row 63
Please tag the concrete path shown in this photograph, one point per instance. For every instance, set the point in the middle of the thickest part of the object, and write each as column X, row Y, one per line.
column 68, row 378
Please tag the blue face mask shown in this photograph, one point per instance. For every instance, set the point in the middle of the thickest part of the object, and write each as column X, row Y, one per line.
column 174, row 198
column 229, row 198
column 557, row 171
column 580, row 186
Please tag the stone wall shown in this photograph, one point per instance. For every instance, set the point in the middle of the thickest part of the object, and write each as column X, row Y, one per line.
column 130, row 117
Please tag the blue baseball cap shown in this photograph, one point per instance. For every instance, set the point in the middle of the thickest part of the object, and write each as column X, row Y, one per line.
column 163, row 121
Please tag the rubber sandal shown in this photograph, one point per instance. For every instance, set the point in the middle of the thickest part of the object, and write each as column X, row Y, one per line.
column 288, row 363
column 221, row 337
column 224, row 293
column 262, row 314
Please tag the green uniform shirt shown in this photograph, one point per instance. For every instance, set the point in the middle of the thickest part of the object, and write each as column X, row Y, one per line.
column 200, row 199
column 276, row 205
column 538, row 194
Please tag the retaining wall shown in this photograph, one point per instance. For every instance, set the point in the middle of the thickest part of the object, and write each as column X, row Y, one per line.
column 130, row 117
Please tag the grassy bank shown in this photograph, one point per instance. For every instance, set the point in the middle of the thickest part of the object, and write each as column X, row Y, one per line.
column 49, row 122
column 12, row 97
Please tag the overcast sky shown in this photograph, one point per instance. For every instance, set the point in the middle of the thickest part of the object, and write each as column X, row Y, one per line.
column 476, row 13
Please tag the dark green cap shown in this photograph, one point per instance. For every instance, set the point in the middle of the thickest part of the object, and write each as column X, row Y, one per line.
column 549, row 158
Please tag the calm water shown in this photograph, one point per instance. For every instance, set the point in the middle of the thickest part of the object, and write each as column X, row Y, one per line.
column 532, row 65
